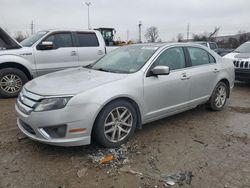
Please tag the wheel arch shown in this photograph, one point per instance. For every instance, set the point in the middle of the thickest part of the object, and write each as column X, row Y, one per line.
column 128, row 99
column 19, row 66
column 225, row 81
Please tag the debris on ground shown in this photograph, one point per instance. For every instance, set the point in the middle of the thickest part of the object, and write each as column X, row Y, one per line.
column 21, row 137
column 152, row 163
column 198, row 141
column 115, row 158
column 106, row 159
column 179, row 178
column 127, row 169
column 81, row 172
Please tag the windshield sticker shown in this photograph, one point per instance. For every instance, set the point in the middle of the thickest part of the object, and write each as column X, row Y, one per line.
column 149, row 48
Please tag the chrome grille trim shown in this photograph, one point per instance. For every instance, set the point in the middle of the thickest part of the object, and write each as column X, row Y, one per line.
column 23, row 108
column 241, row 64
column 27, row 101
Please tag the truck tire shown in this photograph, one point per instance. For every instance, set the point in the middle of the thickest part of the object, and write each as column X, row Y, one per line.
column 11, row 82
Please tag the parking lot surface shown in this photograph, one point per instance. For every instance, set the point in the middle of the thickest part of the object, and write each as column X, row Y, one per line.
column 212, row 146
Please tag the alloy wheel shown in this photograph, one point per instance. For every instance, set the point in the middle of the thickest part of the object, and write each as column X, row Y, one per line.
column 118, row 124
column 221, row 95
column 11, row 83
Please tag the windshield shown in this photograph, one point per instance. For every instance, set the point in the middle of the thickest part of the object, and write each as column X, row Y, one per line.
column 244, row 48
column 128, row 59
column 33, row 39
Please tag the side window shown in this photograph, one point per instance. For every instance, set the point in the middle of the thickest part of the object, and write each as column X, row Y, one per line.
column 87, row 39
column 61, row 40
column 198, row 56
column 213, row 46
column 173, row 58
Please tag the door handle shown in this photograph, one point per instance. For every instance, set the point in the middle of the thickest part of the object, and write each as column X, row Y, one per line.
column 184, row 76
column 216, row 70
column 73, row 53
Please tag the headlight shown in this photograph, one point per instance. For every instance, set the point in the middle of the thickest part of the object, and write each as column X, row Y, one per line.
column 52, row 104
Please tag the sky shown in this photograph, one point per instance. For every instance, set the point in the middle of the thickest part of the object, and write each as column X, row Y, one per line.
column 169, row 16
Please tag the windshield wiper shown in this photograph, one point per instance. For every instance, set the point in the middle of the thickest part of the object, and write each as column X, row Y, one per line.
column 236, row 51
column 101, row 69
column 88, row 66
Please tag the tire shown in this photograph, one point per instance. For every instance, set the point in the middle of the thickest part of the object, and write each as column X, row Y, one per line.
column 219, row 97
column 108, row 121
column 11, row 82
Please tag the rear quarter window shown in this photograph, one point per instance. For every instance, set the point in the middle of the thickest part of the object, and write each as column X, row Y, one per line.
column 87, row 39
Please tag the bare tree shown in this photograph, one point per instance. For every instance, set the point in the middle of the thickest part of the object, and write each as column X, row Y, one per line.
column 180, row 37
column 20, row 36
column 214, row 33
column 152, row 34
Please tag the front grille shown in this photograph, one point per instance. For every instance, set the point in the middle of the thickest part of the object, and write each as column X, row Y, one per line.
column 27, row 127
column 242, row 64
column 27, row 101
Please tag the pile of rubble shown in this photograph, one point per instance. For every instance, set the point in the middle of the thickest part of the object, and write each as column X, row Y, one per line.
column 114, row 158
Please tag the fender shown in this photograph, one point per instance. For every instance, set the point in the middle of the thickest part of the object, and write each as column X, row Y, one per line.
column 7, row 59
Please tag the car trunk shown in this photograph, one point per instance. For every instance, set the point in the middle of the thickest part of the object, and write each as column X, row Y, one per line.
column 6, row 42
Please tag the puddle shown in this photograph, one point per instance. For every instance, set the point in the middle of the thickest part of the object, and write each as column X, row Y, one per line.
column 238, row 109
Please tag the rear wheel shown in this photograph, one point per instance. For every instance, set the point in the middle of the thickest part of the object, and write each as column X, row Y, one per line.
column 115, row 124
column 219, row 97
column 11, row 82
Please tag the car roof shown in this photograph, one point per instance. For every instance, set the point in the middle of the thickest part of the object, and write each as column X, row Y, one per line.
column 167, row 44
column 71, row 30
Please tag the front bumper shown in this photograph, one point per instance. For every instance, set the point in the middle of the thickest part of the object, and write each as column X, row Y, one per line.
column 73, row 117
column 242, row 74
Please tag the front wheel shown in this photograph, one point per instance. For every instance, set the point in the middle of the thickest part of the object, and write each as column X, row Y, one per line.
column 11, row 82
column 219, row 97
column 115, row 124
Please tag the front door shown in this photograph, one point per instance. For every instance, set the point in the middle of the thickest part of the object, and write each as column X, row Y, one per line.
column 167, row 94
column 63, row 55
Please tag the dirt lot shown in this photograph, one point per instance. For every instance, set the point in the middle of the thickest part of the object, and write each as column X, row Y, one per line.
column 213, row 146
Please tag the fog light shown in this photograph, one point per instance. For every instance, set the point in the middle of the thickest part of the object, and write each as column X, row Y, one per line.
column 56, row 131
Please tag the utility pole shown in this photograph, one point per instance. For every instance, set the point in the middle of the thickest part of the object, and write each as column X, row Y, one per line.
column 188, row 28
column 32, row 27
column 127, row 35
column 140, row 24
column 88, row 5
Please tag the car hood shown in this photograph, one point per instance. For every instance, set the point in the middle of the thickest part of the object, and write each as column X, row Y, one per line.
column 71, row 81
column 235, row 55
column 7, row 42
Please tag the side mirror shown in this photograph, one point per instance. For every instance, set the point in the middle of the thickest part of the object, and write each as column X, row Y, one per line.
column 46, row 45
column 161, row 70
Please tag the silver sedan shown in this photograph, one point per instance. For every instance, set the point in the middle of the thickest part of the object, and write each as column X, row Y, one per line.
column 125, row 89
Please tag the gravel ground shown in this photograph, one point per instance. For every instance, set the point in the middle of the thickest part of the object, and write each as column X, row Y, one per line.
column 212, row 146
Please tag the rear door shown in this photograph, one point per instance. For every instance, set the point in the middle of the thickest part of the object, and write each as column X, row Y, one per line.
column 203, row 74
column 89, row 48
column 63, row 55
column 164, row 94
